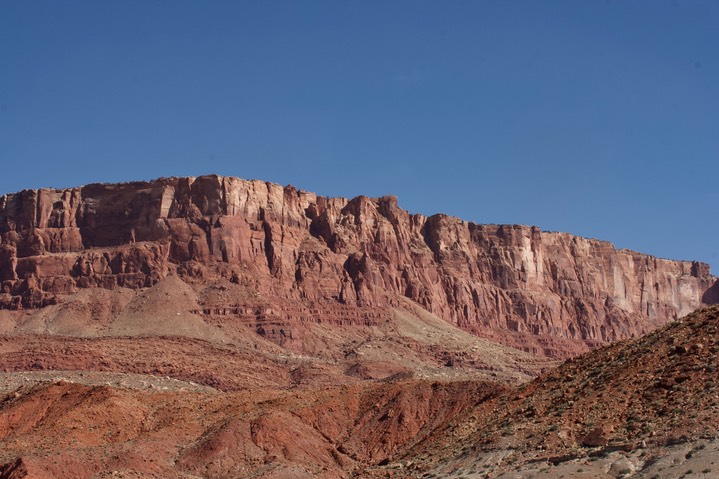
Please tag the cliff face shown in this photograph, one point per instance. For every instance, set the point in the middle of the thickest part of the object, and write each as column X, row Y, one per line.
column 550, row 293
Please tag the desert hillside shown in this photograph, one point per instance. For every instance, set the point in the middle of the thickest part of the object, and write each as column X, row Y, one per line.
column 647, row 406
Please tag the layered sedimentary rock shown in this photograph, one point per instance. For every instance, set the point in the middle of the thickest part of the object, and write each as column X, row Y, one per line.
column 550, row 293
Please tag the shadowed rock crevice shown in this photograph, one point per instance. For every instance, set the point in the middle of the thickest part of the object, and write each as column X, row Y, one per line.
column 272, row 263
column 711, row 295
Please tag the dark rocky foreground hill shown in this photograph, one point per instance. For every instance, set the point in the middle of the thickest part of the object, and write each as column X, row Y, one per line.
column 643, row 408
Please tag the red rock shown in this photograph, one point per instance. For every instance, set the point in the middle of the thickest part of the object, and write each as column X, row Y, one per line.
column 596, row 437
column 23, row 469
column 548, row 293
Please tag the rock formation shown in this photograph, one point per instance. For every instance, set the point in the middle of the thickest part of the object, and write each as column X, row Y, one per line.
column 548, row 293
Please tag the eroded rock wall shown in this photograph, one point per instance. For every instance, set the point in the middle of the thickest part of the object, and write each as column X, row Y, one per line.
column 550, row 293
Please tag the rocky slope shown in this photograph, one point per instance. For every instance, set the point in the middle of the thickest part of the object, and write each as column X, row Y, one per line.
column 70, row 430
column 548, row 293
column 632, row 403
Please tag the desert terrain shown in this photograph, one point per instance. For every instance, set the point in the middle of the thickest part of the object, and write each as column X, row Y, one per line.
column 214, row 327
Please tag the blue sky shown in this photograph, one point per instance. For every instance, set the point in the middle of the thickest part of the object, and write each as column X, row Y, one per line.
column 600, row 118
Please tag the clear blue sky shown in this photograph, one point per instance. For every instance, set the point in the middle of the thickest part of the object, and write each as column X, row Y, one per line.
column 600, row 118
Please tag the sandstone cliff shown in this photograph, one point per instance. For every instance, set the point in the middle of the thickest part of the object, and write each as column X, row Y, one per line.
column 549, row 293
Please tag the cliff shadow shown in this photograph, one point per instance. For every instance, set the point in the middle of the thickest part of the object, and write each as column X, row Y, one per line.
column 711, row 295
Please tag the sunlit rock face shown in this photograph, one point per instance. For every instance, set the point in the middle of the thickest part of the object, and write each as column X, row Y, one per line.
column 548, row 293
